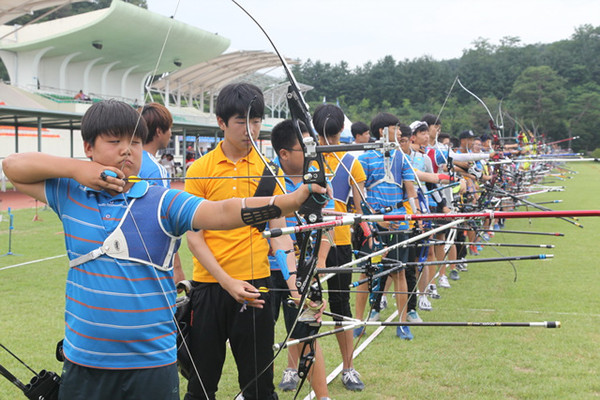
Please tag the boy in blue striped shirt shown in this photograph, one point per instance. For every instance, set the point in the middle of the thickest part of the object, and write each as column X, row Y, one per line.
column 120, row 235
column 389, row 181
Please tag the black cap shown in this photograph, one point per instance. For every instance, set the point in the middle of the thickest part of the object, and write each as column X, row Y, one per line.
column 466, row 135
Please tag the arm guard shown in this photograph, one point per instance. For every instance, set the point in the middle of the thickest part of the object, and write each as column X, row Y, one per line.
column 257, row 215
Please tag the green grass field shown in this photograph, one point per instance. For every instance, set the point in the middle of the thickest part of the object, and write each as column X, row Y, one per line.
column 441, row 363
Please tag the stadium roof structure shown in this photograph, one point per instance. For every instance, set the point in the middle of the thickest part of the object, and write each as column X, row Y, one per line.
column 11, row 9
column 207, row 78
column 111, row 51
column 213, row 74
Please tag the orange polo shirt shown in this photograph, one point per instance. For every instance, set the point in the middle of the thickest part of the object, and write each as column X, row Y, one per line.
column 232, row 248
column 342, row 233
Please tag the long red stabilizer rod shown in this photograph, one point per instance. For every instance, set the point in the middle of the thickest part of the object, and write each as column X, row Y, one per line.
column 351, row 219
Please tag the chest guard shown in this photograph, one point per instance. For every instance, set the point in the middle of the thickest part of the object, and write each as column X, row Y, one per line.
column 392, row 171
column 139, row 237
column 340, row 181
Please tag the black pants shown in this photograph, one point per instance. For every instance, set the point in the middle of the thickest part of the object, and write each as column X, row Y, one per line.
column 339, row 299
column 290, row 313
column 216, row 317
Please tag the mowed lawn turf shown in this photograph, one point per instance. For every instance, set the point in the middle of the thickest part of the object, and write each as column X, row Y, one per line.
column 440, row 363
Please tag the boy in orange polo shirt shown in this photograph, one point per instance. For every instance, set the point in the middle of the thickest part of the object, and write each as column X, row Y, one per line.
column 231, row 264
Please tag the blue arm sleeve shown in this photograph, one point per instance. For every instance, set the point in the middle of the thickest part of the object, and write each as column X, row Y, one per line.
column 281, row 258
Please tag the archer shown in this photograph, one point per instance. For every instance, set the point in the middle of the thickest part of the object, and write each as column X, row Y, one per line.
column 120, row 235
column 230, row 266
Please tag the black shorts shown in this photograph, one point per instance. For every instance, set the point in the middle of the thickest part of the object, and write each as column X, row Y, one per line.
column 84, row 383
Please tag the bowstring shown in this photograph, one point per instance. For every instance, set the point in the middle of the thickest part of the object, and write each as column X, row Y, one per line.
column 364, row 201
column 439, row 114
column 253, row 145
column 420, row 187
column 457, row 80
column 164, row 292
column 278, row 182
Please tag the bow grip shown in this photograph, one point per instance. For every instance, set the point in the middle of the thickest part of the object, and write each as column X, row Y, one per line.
column 312, row 206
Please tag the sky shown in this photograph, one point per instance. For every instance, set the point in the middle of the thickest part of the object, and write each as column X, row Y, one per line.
column 367, row 30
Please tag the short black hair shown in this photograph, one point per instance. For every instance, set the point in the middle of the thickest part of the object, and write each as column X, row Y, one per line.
column 431, row 119
column 113, row 118
column 382, row 120
column 442, row 136
column 328, row 119
column 405, row 130
column 156, row 116
column 283, row 135
column 358, row 128
column 235, row 99
column 485, row 138
column 454, row 142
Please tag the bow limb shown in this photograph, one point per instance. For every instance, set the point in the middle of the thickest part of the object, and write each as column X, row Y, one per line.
column 311, row 209
column 493, row 126
column 315, row 175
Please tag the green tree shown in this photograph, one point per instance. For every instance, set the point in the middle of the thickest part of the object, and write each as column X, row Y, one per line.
column 583, row 113
column 538, row 95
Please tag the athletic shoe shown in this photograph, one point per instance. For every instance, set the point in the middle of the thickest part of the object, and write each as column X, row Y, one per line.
column 458, row 267
column 473, row 250
column 443, row 282
column 424, row 303
column 403, row 332
column 383, row 303
column 462, row 267
column 432, row 291
column 351, row 380
column 374, row 315
column 413, row 316
column 479, row 248
column 486, row 237
column 454, row 275
column 490, row 234
column 290, row 380
column 358, row 332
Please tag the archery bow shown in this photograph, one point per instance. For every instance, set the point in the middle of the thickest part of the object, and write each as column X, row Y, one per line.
column 306, row 268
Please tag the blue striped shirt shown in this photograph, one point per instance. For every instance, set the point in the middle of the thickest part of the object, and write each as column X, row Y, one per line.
column 119, row 313
column 151, row 168
column 385, row 193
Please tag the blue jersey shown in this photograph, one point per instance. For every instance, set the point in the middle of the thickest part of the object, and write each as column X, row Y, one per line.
column 422, row 162
column 119, row 313
column 151, row 168
column 381, row 192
